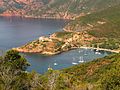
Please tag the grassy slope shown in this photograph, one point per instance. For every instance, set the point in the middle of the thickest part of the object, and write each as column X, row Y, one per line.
column 107, row 34
column 100, row 74
column 104, row 24
column 77, row 6
column 111, row 27
column 74, row 7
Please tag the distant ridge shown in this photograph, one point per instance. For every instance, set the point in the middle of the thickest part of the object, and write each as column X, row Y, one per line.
column 65, row 9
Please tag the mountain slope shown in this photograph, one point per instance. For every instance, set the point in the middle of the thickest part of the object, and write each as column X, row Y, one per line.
column 99, row 74
column 105, row 23
column 79, row 7
column 97, row 30
column 67, row 9
column 18, row 7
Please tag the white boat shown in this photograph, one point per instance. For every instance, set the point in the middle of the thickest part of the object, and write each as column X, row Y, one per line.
column 81, row 60
column 91, row 49
column 85, row 54
column 74, row 63
column 49, row 68
column 55, row 64
column 86, row 48
column 97, row 50
column 79, row 51
column 98, row 53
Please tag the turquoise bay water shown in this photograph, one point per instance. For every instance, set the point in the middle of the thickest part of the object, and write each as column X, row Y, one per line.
column 16, row 31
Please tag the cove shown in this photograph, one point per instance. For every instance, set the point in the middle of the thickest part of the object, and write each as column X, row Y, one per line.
column 16, row 31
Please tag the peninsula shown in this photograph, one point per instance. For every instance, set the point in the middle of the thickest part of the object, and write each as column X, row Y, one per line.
column 96, row 30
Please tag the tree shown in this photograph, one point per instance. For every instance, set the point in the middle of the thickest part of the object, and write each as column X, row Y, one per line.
column 15, row 60
column 13, row 75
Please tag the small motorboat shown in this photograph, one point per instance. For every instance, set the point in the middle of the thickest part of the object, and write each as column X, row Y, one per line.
column 85, row 54
column 55, row 64
column 74, row 63
column 81, row 61
column 98, row 53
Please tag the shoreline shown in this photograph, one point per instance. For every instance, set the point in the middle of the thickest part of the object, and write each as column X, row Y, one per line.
column 43, row 53
column 59, row 52
column 41, row 17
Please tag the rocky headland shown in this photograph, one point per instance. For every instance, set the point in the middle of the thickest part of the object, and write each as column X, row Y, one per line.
column 57, row 42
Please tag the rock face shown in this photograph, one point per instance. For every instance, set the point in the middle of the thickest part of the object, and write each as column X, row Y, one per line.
column 18, row 7
column 59, row 9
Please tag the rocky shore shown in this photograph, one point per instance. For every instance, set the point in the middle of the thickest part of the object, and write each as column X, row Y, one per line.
column 38, row 17
column 56, row 43
column 62, row 41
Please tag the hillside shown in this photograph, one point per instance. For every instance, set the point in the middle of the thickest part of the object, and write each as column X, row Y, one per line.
column 18, row 7
column 99, row 74
column 97, row 30
column 104, row 25
column 66, row 9
column 76, row 8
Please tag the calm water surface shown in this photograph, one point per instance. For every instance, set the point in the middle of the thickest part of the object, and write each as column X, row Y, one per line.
column 16, row 31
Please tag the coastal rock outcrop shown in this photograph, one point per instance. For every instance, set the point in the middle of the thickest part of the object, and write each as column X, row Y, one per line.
column 56, row 43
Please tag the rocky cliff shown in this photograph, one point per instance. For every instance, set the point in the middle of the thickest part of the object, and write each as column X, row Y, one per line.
column 65, row 9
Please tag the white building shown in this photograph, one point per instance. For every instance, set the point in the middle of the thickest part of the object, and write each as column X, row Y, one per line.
column 44, row 39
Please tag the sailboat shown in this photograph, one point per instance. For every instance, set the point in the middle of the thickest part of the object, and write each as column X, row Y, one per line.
column 74, row 63
column 85, row 52
column 81, row 59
